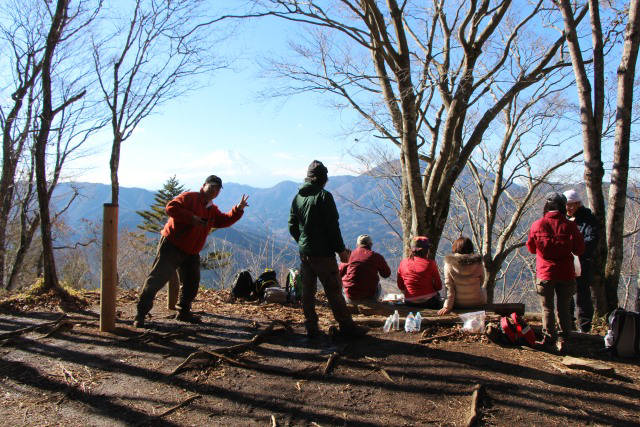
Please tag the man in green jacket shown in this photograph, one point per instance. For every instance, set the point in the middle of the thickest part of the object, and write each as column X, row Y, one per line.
column 313, row 223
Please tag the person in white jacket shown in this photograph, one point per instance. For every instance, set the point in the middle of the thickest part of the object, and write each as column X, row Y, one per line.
column 463, row 277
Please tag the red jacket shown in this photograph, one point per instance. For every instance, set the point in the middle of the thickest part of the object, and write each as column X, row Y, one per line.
column 360, row 274
column 554, row 239
column 418, row 277
column 179, row 229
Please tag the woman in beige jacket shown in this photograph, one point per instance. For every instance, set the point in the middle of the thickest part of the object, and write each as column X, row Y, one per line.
column 463, row 277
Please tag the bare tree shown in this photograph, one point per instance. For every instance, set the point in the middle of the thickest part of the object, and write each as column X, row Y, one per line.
column 592, row 113
column 154, row 54
column 425, row 87
column 65, row 24
column 620, row 171
column 507, row 182
column 23, row 51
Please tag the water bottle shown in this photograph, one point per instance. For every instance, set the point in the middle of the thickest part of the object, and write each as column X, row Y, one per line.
column 608, row 339
column 387, row 324
column 418, row 320
column 409, row 323
column 396, row 321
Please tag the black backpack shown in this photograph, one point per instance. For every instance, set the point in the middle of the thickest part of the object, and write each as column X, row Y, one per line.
column 623, row 337
column 242, row 285
column 266, row 280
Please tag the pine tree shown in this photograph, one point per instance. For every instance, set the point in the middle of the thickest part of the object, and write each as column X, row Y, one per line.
column 155, row 218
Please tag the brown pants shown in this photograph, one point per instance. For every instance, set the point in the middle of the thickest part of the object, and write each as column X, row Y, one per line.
column 325, row 269
column 563, row 290
column 169, row 259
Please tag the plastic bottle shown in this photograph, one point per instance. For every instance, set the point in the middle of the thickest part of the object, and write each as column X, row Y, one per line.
column 409, row 323
column 387, row 324
column 396, row 321
column 418, row 320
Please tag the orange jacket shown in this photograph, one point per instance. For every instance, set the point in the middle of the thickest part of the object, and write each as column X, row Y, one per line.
column 179, row 229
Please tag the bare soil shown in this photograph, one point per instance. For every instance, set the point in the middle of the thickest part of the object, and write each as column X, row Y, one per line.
column 79, row 376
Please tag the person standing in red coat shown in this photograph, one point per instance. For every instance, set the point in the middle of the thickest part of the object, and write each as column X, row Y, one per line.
column 191, row 218
column 418, row 277
column 360, row 275
column 554, row 239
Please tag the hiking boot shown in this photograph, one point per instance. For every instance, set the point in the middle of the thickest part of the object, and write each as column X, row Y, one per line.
column 187, row 316
column 354, row 332
column 561, row 346
column 546, row 344
column 138, row 322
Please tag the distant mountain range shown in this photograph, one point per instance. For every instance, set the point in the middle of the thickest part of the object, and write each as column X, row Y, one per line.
column 265, row 219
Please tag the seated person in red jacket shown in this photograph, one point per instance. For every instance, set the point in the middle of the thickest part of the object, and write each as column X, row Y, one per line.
column 360, row 281
column 419, row 278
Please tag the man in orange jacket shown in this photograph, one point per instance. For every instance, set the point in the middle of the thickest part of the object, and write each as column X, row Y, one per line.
column 191, row 218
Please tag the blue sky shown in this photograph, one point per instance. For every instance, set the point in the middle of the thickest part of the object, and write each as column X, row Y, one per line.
column 225, row 129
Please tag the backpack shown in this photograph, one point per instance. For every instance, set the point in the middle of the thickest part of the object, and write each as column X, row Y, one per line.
column 293, row 285
column 517, row 331
column 266, row 280
column 276, row 295
column 242, row 285
column 623, row 337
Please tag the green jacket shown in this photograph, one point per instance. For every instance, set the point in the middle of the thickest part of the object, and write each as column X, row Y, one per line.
column 313, row 222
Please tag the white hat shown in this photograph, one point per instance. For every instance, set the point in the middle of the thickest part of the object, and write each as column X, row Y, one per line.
column 572, row 196
column 364, row 240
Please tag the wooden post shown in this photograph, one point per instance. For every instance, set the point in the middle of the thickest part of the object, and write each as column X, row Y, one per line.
column 172, row 292
column 109, row 268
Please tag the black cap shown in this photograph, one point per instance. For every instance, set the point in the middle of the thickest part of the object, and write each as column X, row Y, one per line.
column 317, row 170
column 214, row 180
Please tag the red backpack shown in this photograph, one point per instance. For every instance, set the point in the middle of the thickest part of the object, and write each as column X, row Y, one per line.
column 516, row 330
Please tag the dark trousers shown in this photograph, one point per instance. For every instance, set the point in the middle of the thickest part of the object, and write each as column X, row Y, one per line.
column 325, row 269
column 434, row 303
column 549, row 290
column 169, row 259
column 583, row 298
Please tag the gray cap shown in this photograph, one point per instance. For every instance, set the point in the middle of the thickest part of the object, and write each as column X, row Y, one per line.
column 557, row 200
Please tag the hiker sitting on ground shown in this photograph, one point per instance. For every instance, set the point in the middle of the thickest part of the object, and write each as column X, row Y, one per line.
column 360, row 280
column 191, row 218
column 554, row 239
column 419, row 278
column 463, row 277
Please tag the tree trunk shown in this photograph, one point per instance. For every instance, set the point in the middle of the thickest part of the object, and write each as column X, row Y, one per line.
column 114, row 163
column 591, row 131
column 40, row 147
column 620, row 170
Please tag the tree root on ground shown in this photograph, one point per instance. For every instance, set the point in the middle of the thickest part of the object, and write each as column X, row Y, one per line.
column 56, row 325
column 475, row 405
column 224, row 353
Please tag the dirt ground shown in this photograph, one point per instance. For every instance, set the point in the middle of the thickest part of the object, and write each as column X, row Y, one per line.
column 76, row 375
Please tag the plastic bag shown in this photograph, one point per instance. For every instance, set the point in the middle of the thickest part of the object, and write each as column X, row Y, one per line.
column 577, row 266
column 473, row 322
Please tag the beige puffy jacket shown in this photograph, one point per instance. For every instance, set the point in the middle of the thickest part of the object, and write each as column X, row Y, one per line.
column 463, row 277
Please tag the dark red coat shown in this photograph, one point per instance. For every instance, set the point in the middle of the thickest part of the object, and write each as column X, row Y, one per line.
column 554, row 239
column 360, row 274
column 418, row 277
column 179, row 229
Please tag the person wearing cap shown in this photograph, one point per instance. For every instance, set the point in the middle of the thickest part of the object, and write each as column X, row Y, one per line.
column 313, row 223
column 463, row 277
column 588, row 226
column 360, row 280
column 192, row 215
column 418, row 277
column 554, row 240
